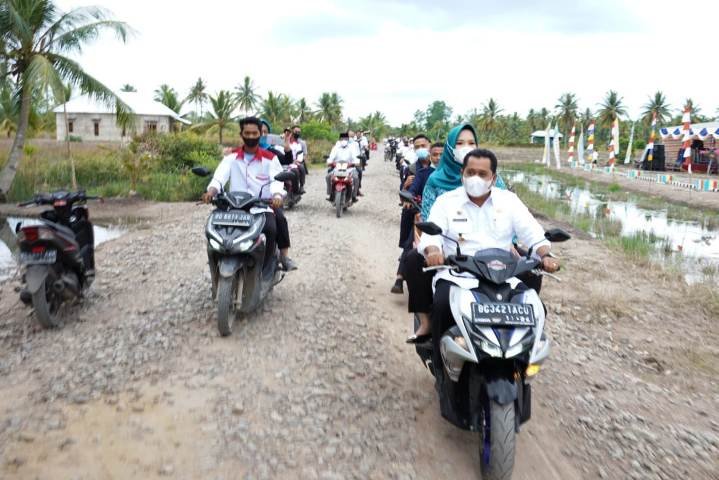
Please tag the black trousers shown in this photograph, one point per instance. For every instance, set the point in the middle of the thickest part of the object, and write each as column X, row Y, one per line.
column 419, row 283
column 303, row 173
column 277, row 232
column 406, row 226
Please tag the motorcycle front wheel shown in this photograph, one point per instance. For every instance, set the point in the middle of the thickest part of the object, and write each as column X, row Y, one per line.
column 228, row 291
column 497, row 445
column 339, row 202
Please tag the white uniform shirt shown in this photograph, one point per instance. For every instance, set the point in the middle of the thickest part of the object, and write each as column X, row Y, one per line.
column 298, row 151
column 342, row 154
column 364, row 143
column 249, row 173
column 493, row 225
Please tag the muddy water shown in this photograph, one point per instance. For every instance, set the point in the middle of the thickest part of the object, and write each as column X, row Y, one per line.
column 691, row 246
column 8, row 226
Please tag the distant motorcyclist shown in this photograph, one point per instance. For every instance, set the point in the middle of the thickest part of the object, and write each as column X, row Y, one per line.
column 343, row 151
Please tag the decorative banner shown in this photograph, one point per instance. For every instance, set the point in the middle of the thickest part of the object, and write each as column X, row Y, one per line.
column 652, row 137
column 703, row 134
column 687, row 145
column 590, row 140
column 715, row 134
column 571, row 144
column 628, row 157
column 555, row 141
column 677, row 133
column 580, row 148
column 664, row 133
column 614, row 144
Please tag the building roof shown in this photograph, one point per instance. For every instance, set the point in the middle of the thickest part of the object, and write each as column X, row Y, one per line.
column 540, row 133
column 696, row 127
column 139, row 104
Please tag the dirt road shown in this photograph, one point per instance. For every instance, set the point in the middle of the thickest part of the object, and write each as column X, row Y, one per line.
column 319, row 383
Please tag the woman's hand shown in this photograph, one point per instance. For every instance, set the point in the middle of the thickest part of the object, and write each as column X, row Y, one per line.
column 434, row 256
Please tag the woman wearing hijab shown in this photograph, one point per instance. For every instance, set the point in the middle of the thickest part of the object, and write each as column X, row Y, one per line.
column 462, row 139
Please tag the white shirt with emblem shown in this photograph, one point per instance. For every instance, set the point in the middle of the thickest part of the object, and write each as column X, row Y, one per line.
column 493, row 225
column 248, row 172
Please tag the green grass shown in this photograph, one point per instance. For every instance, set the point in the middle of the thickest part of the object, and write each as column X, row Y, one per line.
column 638, row 246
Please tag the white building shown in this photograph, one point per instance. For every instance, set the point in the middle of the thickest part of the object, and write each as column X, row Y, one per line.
column 93, row 121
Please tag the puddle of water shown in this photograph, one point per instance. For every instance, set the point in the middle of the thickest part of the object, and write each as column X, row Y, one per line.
column 690, row 245
column 8, row 247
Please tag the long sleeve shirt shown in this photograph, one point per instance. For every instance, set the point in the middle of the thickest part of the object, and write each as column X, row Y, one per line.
column 248, row 172
column 493, row 225
column 342, row 154
column 420, row 179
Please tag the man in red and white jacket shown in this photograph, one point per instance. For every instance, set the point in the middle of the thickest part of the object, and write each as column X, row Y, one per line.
column 248, row 169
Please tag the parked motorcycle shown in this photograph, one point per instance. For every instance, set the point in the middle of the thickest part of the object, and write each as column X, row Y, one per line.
column 492, row 352
column 343, row 186
column 57, row 254
column 236, row 253
column 293, row 197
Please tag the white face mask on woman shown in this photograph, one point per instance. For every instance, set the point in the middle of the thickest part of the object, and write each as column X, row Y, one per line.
column 475, row 186
column 461, row 152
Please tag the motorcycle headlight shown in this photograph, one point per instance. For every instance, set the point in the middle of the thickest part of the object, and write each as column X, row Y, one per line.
column 215, row 245
column 490, row 349
column 245, row 245
column 515, row 350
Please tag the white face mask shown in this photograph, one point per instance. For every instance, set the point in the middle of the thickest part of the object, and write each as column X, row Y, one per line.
column 475, row 186
column 461, row 152
column 343, row 143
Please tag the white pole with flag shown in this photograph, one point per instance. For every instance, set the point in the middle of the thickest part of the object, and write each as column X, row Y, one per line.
column 547, row 157
column 557, row 152
column 580, row 147
column 628, row 157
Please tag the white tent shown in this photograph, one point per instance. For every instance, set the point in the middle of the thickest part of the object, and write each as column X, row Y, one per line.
column 540, row 134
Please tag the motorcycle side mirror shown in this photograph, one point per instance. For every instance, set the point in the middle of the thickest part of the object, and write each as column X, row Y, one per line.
column 201, row 171
column 284, row 176
column 405, row 195
column 555, row 235
column 430, row 228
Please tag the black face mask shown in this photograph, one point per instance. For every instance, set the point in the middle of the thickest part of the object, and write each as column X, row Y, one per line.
column 296, row 135
column 251, row 142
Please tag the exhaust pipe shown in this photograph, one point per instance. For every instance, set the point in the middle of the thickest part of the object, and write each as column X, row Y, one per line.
column 67, row 286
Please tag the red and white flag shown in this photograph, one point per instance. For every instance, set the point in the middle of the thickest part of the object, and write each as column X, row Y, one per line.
column 571, row 143
column 652, row 137
column 687, row 133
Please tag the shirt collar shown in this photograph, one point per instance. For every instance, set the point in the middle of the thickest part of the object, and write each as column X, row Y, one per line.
column 466, row 198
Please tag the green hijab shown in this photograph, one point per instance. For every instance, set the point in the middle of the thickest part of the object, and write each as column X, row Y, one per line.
column 448, row 175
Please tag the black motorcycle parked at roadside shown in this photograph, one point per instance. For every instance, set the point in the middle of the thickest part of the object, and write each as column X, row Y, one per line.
column 57, row 254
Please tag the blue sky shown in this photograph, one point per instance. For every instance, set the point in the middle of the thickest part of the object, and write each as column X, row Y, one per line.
column 396, row 56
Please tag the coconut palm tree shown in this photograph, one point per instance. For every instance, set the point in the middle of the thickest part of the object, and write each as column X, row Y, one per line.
column 168, row 96
column 612, row 107
column 128, row 88
column 198, row 96
column 223, row 104
column 566, row 109
column 272, row 108
column 304, row 112
column 37, row 42
column 490, row 116
column 656, row 105
column 247, row 95
column 330, row 108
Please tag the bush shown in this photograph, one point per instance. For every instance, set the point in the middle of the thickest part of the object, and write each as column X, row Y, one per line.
column 176, row 152
column 314, row 130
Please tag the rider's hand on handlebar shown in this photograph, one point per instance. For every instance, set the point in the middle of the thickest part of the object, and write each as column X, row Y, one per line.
column 550, row 265
column 434, row 257
column 276, row 202
column 207, row 197
column 406, row 205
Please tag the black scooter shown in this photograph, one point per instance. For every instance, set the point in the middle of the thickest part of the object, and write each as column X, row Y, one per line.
column 57, row 254
column 236, row 251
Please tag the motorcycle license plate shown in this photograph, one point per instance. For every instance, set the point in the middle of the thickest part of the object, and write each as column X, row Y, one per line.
column 503, row 314
column 232, row 219
column 42, row 258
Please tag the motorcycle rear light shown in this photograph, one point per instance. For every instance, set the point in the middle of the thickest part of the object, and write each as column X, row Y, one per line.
column 29, row 234
column 39, row 249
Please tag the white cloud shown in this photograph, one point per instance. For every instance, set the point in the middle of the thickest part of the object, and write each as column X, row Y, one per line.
column 399, row 56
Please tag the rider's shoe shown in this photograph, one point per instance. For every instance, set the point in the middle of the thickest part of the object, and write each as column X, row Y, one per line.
column 288, row 264
column 398, row 287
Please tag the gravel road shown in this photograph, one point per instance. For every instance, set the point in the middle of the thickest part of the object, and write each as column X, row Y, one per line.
column 320, row 385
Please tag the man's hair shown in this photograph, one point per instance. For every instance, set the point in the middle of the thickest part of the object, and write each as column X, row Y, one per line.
column 296, row 126
column 481, row 153
column 344, row 135
column 250, row 121
column 437, row 145
column 420, row 135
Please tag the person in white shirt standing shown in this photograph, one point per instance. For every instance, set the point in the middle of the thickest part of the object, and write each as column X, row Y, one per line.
column 296, row 146
column 343, row 152
column 249, row 169
column 479, row 217
column 355, row 145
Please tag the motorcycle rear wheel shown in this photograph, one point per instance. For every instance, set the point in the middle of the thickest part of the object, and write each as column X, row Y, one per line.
column 46, row 311
column 497, row 452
